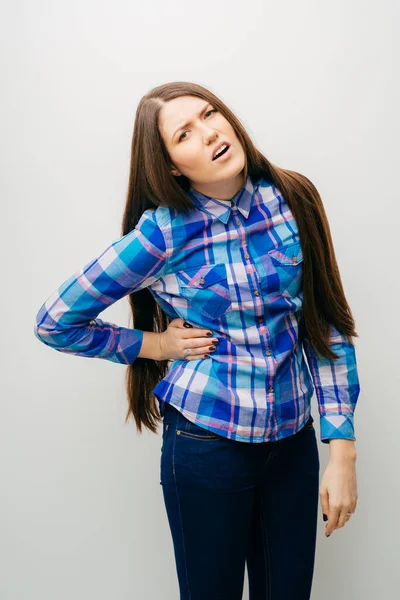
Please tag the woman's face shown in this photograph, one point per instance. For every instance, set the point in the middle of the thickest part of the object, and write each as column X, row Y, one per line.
column 191, row 146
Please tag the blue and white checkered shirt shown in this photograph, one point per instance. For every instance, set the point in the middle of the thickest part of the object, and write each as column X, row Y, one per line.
column 234, row 267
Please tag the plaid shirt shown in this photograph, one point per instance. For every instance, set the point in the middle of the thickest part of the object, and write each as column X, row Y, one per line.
column 234, row 267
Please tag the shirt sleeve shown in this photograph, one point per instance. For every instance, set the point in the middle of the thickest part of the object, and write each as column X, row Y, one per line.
column 67, row 321
column 337, row 387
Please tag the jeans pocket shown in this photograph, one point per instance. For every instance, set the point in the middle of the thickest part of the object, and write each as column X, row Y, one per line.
column 195, row 432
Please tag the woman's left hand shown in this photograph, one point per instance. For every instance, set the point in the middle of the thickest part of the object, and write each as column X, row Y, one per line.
column 338, row 492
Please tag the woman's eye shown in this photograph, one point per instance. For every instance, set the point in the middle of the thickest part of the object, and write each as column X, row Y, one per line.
column 208, row 112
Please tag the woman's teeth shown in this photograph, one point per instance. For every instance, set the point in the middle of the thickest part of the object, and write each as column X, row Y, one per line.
column 221, row 152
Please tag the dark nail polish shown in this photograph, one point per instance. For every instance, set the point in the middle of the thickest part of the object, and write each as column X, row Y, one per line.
column 212, row 348
column 209, row 333
column 215, row 342
column 328, row 535
column 206, row 356
column 325, row 517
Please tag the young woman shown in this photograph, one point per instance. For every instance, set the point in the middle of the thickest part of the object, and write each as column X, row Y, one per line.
column 231, row 273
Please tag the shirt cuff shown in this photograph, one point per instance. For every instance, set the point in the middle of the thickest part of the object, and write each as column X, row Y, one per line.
column 128, row 346
column 336, row 427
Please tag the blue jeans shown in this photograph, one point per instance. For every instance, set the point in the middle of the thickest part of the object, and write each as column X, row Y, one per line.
column 231, row 504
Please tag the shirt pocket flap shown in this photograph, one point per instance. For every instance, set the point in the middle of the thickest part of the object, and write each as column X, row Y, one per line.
column 202, row 276
column 290, row 254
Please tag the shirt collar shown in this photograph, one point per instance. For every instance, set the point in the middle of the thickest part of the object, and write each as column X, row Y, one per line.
column 222, row 208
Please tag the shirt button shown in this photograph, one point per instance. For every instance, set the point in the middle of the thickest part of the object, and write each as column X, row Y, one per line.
column 246, row 256
column 260, row 319
column 268, row 353
column 232, row 204
column 256, row 293
column 237, row 222
column 201, row 280
column 270, row 389
column 294, row 259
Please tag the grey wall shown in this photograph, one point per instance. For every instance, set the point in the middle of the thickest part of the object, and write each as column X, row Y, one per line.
column 316, row 84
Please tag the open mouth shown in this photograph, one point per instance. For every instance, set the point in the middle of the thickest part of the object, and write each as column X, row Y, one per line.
column 221, row 152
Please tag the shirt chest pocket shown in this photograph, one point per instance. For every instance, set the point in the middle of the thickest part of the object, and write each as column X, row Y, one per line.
column 286, row 270
column 206, row 289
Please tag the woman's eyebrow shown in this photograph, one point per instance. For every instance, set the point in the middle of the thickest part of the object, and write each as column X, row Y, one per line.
column 190, row 122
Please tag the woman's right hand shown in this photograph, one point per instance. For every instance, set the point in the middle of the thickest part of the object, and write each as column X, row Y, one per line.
column 177, row 338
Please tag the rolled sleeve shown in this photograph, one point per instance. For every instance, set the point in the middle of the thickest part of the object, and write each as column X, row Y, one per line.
column 337, row 387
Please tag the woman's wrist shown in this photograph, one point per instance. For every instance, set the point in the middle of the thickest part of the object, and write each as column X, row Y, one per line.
column 151, row 346
column 342, row 449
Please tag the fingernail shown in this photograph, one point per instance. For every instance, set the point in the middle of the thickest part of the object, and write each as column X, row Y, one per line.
column 206, row 356
column 215, row 341
column 328, row 535
column 212, row 348
column 325, row 517
column 209, row 333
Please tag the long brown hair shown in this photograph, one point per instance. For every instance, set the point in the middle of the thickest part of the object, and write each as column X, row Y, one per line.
column 152, row 183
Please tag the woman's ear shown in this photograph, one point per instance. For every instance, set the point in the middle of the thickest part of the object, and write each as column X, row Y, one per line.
column 175, row 172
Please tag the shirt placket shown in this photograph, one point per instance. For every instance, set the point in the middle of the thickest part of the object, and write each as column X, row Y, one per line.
column 258, row 302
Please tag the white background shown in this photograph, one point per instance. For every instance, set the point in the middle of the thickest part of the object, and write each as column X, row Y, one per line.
column 316, row 85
